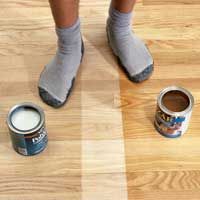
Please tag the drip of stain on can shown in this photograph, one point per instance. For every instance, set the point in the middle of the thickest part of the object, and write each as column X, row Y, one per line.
column 174, row 109
column 26, row 123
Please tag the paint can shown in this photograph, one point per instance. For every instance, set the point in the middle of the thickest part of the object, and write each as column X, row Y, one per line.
column 174, row 109
column 26, row 123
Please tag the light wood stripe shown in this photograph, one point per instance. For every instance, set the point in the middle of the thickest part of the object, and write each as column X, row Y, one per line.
column 103, row 158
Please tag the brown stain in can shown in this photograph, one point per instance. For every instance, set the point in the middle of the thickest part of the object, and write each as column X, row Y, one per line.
column 175, row 101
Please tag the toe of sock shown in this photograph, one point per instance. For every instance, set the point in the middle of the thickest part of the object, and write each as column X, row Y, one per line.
column 49, row 99
column 144, row 75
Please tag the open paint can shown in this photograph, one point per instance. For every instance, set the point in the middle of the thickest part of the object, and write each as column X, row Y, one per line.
column 174, row 109
column 26, row 123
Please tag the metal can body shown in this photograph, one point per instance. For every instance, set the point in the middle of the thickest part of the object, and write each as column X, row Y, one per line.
column 32, row 141
column 168, row 122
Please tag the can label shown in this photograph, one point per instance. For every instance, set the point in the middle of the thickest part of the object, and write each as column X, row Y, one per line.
column 30, row 144
column 170, row 126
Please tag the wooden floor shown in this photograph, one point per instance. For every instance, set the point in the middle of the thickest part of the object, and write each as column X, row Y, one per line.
column 102, row 144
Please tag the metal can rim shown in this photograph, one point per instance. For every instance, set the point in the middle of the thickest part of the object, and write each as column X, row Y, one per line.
column 175, row 88
column 26, row 104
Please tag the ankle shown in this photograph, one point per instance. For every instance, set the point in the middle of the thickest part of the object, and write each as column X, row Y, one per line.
column 119, row 19
column 69, row 37
column 70, row 34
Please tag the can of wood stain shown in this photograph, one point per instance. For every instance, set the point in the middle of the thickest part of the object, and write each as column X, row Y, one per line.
column 26, row 123
column 174, row 109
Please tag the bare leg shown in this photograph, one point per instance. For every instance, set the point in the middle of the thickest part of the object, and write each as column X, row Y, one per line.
column 65, row 12
column 56, row 80
column 131, row 52
column 124, row 6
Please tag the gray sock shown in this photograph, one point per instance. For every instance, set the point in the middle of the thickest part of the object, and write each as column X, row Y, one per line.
column 56, row 80
column 132, row 53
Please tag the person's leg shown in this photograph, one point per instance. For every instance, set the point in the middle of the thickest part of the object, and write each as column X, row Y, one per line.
column 65, row 12
column 131, row 52
column 56, row 80
column 123, row 6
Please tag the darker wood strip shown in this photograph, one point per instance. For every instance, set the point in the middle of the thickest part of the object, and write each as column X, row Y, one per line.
column 171, row 2
column 164, row 181
column 173, row 195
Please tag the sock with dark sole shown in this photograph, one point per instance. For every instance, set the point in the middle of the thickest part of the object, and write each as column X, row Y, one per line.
column 133, row 56
column 57, row 78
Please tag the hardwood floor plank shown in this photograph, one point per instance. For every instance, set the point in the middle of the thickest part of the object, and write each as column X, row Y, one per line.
column 102, row 144
column 157, row 167
column 170, row 2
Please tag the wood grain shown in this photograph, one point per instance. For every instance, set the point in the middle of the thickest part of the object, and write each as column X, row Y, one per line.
column 28, row 42
column 171, row 2
column 157, row 167
column 103, row 147
column 102, row 144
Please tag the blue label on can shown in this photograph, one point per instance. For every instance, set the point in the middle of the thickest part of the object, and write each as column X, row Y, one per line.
column 36, row 142
column 30, row 144
column 170, row 126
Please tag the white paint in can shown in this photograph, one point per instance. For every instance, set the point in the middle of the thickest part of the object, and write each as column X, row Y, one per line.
column 25, row 119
